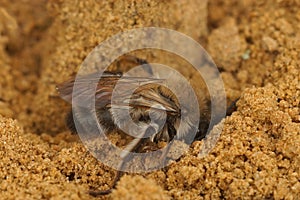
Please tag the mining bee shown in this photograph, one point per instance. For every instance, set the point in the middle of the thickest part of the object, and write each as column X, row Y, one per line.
column 149, row 97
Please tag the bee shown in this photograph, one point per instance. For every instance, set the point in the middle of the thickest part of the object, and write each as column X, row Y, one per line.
column 149, row 101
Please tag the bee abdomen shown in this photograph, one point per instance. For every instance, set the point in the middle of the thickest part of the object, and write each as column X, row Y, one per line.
column 70, row 122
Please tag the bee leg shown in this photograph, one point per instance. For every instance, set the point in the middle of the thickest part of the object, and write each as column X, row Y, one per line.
column 119, row 174
column 232, row 107
column 164, row 155
column 135, row 146
column 171, row 131
column 96, row 193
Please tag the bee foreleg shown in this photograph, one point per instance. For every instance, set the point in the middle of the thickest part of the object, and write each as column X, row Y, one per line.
column 133, row 146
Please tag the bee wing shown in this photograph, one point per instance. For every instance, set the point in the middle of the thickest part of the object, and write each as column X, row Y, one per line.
column 145, row 102
column 85, row 87
column 155, row 100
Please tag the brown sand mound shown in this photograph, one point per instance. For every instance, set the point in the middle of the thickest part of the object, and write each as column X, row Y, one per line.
column 257, row 156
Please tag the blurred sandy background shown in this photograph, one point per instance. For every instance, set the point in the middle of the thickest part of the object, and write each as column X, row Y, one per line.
column 42, row 43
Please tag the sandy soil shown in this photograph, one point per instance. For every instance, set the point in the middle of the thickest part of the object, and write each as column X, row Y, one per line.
column 42, row 43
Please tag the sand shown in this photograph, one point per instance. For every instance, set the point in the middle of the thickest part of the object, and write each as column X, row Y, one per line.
column 257, row 156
